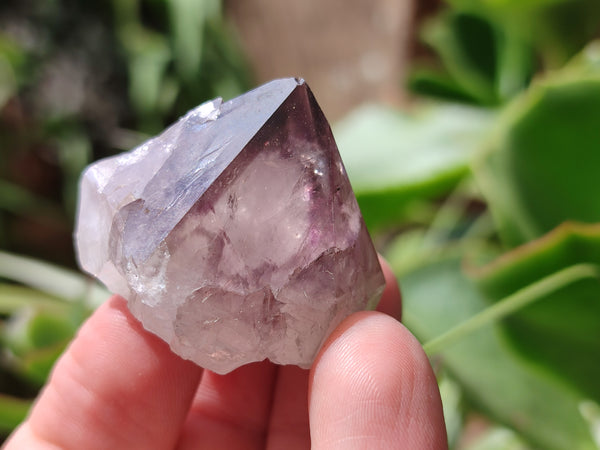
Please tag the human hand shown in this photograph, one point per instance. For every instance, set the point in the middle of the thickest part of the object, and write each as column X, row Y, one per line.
column 119, row 387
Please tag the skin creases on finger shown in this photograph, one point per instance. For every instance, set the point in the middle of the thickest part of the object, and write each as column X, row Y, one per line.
column 372, row 387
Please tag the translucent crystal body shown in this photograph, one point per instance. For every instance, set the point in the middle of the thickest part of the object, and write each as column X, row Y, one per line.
column 234, row 235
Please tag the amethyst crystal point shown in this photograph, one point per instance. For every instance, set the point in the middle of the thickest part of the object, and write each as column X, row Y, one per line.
column 234, row 235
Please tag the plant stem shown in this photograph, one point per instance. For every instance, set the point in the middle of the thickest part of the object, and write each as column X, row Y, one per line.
column 512, row 303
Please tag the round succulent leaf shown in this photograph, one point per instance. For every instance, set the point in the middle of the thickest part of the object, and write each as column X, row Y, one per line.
column 33, row 329
column 466, row 44
column 542, row 167
column 495, row 381
column 560, row 332
column 394, row 158
column 35, row 338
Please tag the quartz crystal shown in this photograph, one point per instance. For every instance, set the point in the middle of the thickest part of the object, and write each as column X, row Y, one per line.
column 234, row 235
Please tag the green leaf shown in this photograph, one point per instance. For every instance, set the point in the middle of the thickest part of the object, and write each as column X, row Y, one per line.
column 52, row 280
column 489, row 50
column 502, row 6
column 466, row 44
column 542, row 167
column 511, row 304
column 451, row 395
column 555, row 29
column 486, row 60
column 12, row 59
column 563, row 29
column 8, row 81
column 560, row 331
column 148, row 57
column 37, row 365
column 188, row 18
column 35, row 339
column 74, row 152
column 585, row 64
column 393, row 158
column 429, row 82
column 17, row 200
column 494, row 380
column 13, row 298
column 12, row 412
column 498, row 439
column 48, row 330
column 515, row 61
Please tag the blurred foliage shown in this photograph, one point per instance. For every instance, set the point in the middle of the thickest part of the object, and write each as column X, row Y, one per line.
column 492, row 379
column 488, row 51
column 483, row 195
column 80, row 81
column 83, row 80
column 394, row 179
column 499, row 261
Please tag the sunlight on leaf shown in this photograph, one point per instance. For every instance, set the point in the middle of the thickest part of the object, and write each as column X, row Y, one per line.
column 542, row 168
column 558, row 332
column 393, row 158
column 51, row 279
column 495, row 381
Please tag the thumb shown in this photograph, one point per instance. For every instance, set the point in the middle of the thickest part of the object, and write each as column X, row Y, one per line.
column 372, row 387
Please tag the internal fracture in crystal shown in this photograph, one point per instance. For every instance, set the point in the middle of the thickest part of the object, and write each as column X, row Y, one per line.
column 234, row 235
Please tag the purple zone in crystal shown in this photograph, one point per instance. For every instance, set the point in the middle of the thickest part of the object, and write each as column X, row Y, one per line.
column 235, row 234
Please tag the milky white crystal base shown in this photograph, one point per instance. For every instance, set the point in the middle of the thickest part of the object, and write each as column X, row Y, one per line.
column 234, row 235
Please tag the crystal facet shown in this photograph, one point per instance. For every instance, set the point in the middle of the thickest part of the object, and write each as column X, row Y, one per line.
column 235, row 234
